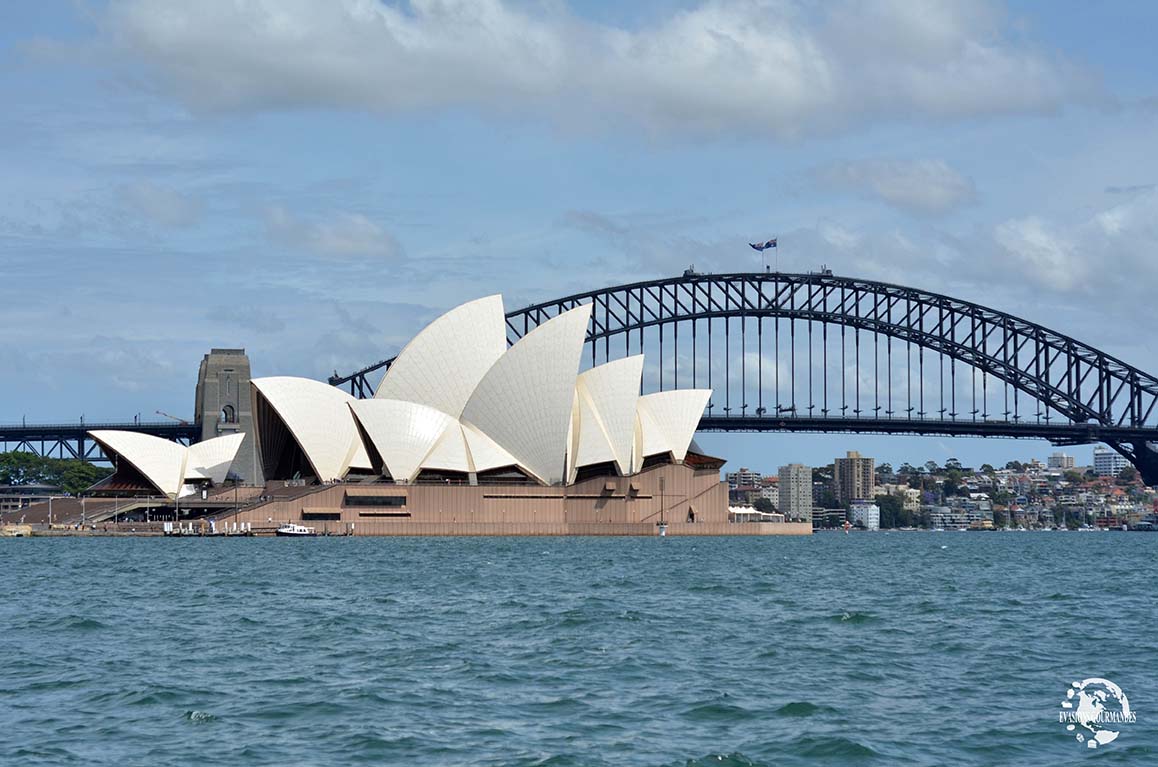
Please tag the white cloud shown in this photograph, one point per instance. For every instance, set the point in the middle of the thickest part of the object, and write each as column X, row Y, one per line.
column 342, row 235
column 1042, row 253
column 757, row 67
column 918, row 186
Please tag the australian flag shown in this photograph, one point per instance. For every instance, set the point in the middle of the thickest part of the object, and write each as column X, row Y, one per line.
column 761, row 246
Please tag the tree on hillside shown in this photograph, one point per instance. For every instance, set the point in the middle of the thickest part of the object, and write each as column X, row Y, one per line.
column 1127, row 476
column 70, row 475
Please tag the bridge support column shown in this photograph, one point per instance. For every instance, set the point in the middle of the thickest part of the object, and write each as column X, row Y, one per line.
column 1145, row 459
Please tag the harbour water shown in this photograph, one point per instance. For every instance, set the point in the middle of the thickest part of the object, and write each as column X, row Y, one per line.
column 866, row 649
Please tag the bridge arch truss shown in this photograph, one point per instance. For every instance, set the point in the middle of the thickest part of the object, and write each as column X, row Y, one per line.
column 820, row 352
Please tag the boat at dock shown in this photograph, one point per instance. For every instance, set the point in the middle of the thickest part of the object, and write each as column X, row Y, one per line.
column 297, row 531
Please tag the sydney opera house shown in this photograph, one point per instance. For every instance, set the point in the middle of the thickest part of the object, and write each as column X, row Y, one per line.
column 465, row 434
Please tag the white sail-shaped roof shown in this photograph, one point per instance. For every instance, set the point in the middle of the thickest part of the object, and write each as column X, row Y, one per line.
column 668, row 421
column 485, row 453
column 524, row 401
column 607, row 396
column 318, row 417
column 160, row 461
column 403, row 433
column 442, row 365
column 212, row 458
column 449, row 453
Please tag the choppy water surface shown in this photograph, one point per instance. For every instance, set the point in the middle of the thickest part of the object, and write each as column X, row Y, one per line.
column 889, row 649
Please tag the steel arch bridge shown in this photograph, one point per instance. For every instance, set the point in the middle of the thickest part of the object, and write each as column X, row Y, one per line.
column 823, row 353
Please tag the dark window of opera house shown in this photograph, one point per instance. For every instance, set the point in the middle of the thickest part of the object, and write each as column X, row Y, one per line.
column 390, row 501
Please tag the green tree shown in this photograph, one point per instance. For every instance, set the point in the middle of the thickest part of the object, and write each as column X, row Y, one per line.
column 892, row 511
column 987, row 468
column 1127, row 476
column 1015, row 465
column 763, row 504
column 74, row 477
column 70, row 475
column 1073, row 476
column 885, row 469
column 21, row 468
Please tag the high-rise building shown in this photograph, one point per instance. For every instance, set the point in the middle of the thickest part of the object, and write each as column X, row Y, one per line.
column 853, row 478
column 796, row 492
column 1060, row 461
column 1108, row 462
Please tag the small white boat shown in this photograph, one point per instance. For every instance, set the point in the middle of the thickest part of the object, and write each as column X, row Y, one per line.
column 297, row 531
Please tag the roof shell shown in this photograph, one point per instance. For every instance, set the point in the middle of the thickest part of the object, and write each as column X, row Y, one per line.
column 485, row 453
column 607, row 396
column 403, row 433
column 450, row 452
column 668, row 421
column 524, row 401
column 160, row 461
column 318, row 417
column 442, row 365
column 212, row 458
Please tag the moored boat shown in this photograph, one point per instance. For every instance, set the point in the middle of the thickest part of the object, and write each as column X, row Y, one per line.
column 297, row 531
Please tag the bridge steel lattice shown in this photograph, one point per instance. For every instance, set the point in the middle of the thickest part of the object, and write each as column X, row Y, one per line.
column 819, row 352
column 72, row 441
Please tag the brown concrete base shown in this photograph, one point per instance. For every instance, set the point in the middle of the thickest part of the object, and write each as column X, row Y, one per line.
column 676, row 493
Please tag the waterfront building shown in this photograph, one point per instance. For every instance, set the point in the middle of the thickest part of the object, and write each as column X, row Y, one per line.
column 795, row 501
column 828, row 518
column 465, row 434
column 853, row 478
column 865, row 514
column 1108, row 462
column 1060, row 461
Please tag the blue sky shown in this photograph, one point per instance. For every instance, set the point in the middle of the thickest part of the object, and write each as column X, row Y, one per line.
column 316, row 179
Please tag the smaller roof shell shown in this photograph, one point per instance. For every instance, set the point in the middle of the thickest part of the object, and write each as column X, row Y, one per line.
column 318, row 417
column 403, row 433
column 606, row 396
column 158, row 460
column 668, row 421
column 212, row 458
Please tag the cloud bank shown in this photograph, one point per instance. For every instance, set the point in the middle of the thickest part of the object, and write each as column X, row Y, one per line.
column 779, row 68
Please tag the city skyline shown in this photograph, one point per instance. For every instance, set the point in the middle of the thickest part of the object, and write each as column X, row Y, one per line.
column 168, row 209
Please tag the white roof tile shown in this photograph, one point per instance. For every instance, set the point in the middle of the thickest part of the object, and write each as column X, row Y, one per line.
column 403, row 433
column 160, row 461
column 607, row 396
column 319, row 418
column 212, row 458
column 442, row 365
column 668, row 421
column 524, row 401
